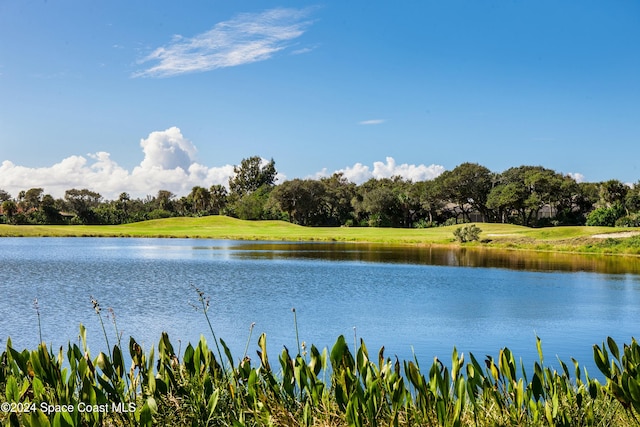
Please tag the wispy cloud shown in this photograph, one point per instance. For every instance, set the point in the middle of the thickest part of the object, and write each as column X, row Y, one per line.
column 247, row 38
column 372, row 122
column 304, row 50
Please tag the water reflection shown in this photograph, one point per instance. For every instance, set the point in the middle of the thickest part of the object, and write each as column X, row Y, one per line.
column 407, row 298
column 433, row 255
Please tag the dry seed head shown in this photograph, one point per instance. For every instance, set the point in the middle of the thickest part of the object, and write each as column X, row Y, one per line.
column 96, row 305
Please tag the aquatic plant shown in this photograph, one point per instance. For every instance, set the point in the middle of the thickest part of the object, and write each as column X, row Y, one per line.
column 622, row 373
column 333, row 387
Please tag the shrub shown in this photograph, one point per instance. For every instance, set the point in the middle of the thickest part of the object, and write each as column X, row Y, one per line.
column 451, row 221
column 632, row 220
column 158, row 214
column 605, row 216
column 468, row 233
column 423, row 223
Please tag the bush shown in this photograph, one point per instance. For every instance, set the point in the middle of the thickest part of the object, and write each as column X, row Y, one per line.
column 423, row 223
column 379, row 220
column 468, row 233
column 632, row 220
column 76, row 220
column 454, row 221
column 159, row 214
column 605, row 216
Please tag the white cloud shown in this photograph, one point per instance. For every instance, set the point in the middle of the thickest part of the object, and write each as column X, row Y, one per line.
column 411, row 172
column 167, row 149
column 359, row 173
column 372, row 122
column 302, row 50
column 578, row 177
column 247, row 38
column 168, row 164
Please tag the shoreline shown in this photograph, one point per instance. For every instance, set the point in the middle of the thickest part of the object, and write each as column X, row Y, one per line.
column 577, row 240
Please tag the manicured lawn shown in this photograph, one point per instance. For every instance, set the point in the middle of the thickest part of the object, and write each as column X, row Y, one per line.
column 573, row 239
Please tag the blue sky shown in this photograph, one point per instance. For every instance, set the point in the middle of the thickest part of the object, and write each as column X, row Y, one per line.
column 147, row 95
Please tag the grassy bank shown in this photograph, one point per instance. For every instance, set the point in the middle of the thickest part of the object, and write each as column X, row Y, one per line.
column 559, row 239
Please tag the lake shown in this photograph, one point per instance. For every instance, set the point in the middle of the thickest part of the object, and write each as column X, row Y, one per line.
column 409, row 299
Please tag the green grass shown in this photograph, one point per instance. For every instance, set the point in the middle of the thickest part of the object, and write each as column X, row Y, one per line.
column 557, row 239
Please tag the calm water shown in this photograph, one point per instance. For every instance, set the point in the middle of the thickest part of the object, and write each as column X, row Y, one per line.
column 407, row 299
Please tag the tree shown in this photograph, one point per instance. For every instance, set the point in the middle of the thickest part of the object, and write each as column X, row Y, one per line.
column 409, row 201
column 32, row 198
column 302, row 200
column 338, row 193
column 82, row 202
column 218, row 200
column 382, row 201
column 632, row 200
column 526, row 190
column 9, row 209
column 544, row 187
column 164, row 200
column 252, row 205
column 567, row 203
column 586, row 198
column 183, row 206
column 613, row 192
column 4, row 196
column 251, row 174
column 50, row 212
column 504, row 198
column 430, row 198
column 250, row 186
column 286, row 196
column 123, row 200
column 201, row 198
column 467, row 185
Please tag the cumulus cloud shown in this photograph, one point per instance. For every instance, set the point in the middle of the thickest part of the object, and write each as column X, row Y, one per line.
column 359, row 173
column 168, row 164
column 578, row 177
column 167, row 149
column 247, row 38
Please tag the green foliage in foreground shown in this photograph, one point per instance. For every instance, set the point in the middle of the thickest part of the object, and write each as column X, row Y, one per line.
column 314, row 388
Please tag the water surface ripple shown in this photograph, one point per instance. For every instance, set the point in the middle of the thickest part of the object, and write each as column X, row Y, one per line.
column 409, row 299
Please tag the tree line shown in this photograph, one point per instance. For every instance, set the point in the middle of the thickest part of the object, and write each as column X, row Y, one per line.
column 524, row 195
